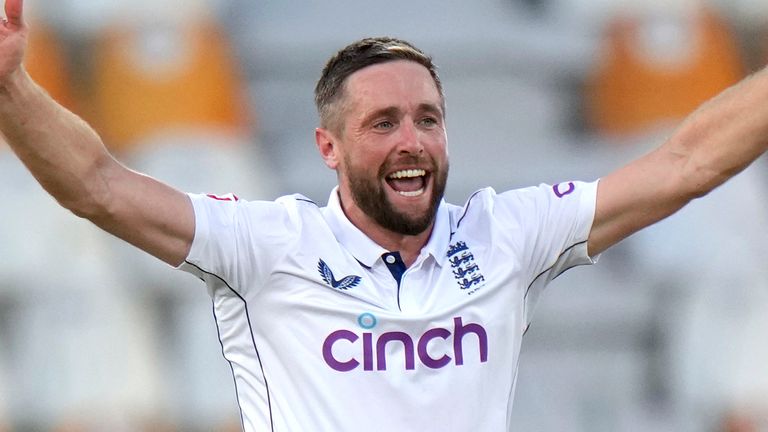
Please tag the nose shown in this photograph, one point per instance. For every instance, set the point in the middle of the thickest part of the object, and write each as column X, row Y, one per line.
column 410, row 140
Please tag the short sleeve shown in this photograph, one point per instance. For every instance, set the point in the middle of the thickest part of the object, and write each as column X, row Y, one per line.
column 237, row 242
column 556, row 221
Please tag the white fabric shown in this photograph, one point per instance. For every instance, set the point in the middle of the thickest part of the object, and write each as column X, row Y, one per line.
column 196, row 384
column 320, row 336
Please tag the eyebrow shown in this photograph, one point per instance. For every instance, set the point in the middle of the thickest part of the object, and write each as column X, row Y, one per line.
column 431, row 109
column 396, row 112
column 383, row 112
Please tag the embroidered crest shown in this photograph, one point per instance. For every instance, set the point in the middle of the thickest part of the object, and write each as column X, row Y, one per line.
column 465, row 270
column 344, row 283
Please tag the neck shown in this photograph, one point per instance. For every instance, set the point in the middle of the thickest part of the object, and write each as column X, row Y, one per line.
column 409, row 246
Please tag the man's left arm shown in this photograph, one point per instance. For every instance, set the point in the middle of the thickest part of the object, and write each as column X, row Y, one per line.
column 717, row 141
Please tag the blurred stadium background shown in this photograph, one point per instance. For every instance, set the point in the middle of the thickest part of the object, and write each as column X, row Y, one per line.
column 667, row 333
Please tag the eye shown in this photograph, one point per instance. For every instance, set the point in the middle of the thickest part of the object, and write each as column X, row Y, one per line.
column 386, row 124
column 428, row 122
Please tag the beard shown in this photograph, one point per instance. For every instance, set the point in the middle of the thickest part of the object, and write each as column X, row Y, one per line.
column 368, row 193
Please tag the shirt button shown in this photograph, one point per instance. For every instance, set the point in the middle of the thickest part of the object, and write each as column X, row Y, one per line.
column 391, row 259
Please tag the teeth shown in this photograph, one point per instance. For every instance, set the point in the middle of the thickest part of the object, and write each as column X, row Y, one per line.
column 408, row 173
column 412, row 194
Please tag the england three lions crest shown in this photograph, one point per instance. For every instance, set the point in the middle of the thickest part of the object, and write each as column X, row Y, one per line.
column 465, row 269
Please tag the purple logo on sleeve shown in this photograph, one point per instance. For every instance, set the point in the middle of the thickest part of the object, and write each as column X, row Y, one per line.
column 561, row 193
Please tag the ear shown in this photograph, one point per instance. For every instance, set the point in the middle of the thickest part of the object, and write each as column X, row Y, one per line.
column 327, row 145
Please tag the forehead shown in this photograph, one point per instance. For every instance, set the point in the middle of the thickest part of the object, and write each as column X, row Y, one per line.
column 402, row 83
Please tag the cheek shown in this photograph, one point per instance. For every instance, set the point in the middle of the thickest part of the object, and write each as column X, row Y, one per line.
column 362, row 163
column 438, row 150
column 435, row 139
column 370, row 158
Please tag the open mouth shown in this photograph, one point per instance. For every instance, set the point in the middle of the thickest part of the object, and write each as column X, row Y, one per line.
column 408, row 182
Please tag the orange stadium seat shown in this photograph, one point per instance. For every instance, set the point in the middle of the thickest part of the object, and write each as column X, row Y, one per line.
column 47, row 64
column 631, row 91
column 148, row 80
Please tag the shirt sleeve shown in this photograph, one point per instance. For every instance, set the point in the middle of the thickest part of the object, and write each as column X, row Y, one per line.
column 556, row 221
column 237, row 242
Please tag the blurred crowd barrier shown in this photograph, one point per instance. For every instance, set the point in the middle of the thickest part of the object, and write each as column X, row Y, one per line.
column 665, row 334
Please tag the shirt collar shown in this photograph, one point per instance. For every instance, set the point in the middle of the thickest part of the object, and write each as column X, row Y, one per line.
column 365, row 250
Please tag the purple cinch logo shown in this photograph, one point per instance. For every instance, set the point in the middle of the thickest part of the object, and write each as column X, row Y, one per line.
column 371, row 352
column 560, row 194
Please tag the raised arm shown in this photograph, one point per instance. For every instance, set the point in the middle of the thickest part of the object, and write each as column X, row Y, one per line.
column 716, row 142
column 69, row 160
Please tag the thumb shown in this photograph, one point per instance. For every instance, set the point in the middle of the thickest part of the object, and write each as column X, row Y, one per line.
column 13, row 13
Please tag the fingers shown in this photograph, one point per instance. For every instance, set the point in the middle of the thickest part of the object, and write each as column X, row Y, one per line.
column 13, row 12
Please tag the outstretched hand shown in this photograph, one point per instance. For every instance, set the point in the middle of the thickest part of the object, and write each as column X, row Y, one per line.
column 13, row 38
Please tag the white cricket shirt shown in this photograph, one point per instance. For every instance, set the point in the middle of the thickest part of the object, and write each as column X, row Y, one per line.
column 327, row 331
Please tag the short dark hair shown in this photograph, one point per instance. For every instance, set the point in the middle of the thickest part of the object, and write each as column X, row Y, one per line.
column 356, row 56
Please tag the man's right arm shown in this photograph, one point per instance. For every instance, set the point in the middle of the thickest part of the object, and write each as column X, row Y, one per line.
column 70, row 161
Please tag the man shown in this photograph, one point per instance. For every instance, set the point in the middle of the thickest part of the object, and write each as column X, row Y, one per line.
column 389, row 309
